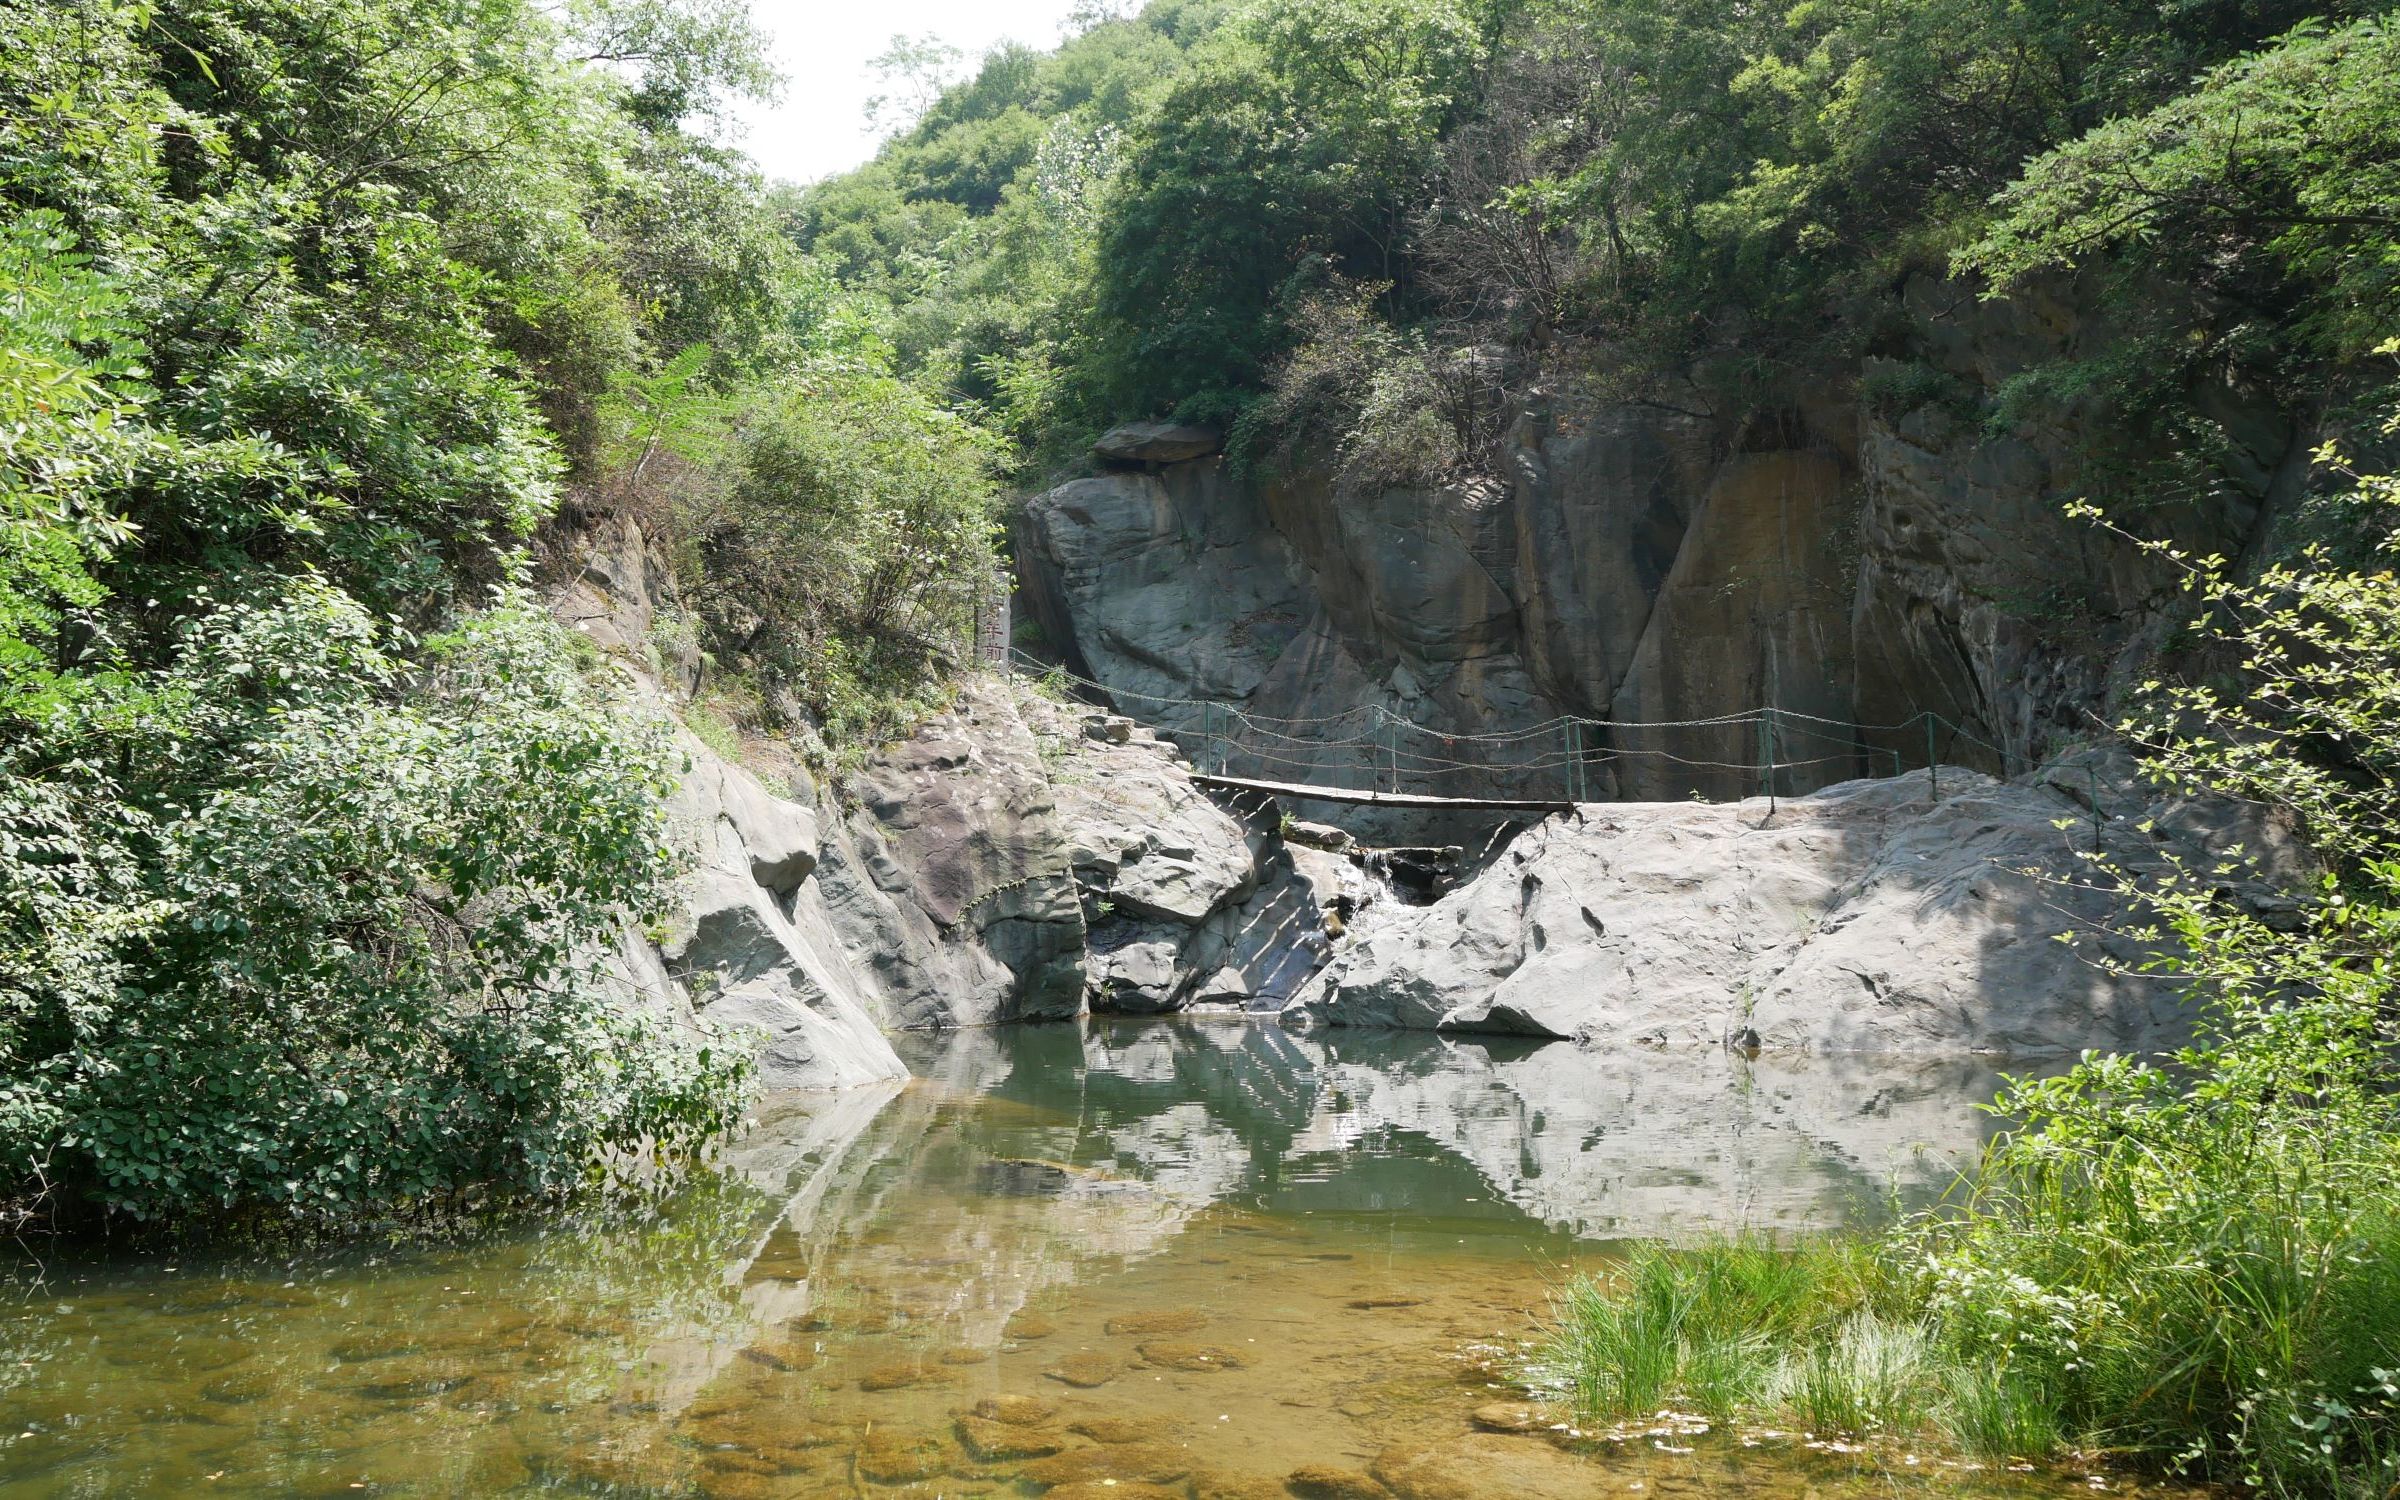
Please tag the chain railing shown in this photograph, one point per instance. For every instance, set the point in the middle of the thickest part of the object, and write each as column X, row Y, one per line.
column 1770, row 750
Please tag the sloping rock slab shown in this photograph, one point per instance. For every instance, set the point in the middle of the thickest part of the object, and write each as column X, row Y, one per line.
column 1866, row 918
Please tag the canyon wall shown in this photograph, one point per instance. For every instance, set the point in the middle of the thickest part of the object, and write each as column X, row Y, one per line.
column 1886, row 544
column 1876, row 549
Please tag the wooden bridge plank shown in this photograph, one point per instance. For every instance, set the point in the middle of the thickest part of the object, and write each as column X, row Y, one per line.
column 1382, row 799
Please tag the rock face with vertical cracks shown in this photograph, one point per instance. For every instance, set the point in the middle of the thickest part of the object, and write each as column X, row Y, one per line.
column 1865, row 918
column 1885, row 542
column 954, row 884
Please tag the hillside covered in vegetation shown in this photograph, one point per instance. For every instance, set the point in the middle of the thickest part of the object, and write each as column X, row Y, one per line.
column 1359, row 227
column 311, row 819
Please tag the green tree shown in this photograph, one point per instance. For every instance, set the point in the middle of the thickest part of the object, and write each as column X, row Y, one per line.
column 2285, row 154
column 1295, row 148
column 310, row 830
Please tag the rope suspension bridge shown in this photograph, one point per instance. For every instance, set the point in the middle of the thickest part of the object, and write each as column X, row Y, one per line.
column 1370, row 755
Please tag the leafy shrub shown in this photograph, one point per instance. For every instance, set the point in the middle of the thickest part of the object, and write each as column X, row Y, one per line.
column 851, row 548
column 360, row 965
column 2200, row 1260
column 307, row 853
column 1379, row 407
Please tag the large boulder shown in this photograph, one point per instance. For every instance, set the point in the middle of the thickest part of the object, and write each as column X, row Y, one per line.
column 1157, row 443
column 750, row 949
column 1869, row 917
column 1187, row 902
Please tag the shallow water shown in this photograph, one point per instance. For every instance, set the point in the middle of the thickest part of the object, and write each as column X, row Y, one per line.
column 1176, row 1259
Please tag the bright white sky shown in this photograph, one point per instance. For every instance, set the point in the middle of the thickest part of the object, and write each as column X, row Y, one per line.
column 822, row 47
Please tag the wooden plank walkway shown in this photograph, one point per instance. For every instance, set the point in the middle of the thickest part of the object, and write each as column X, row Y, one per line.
column 1382, row 799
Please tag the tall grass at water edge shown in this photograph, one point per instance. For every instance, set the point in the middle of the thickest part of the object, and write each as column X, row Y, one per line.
column 2226, row 1307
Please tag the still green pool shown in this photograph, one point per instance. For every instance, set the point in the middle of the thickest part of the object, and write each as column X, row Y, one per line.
column 1125, row 1261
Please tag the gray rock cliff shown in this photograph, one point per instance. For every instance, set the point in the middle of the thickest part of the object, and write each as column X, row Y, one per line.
column 1886, row 543
column 998, row 864
column 1865, row 918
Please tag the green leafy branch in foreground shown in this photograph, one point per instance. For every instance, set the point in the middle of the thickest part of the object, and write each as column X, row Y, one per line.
column 2193, row 1263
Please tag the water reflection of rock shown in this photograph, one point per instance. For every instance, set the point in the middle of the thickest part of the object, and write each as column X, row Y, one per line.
column 1603, row 1145
column 894, row 1218
column 1019, row 1163
column 1643, row 1144
column 1600, row 1144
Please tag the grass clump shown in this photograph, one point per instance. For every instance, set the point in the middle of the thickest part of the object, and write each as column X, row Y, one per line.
column 1816, row 1336
column 1700, row 1330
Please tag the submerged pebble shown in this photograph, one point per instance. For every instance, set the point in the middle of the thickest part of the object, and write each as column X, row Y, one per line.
column 1085, row 1371
column 1325, row 1482
column 1150, row 1463
column 1164, row 1320
column 1172, row 1354
column 886, row 1456
column 998, row 1442
column 1016, row 1411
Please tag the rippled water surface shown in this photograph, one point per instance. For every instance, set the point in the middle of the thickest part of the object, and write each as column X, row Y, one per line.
column 1160, row 1260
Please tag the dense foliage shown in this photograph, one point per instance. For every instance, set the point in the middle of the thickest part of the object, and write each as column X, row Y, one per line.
column 313, row 826
column 843, row 542
column 1174, row 211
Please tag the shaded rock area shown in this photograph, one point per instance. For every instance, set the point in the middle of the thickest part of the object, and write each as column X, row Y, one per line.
column 1156, row 443
column 1879, row 545
column 1181, row 586
column 1866, row 918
